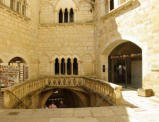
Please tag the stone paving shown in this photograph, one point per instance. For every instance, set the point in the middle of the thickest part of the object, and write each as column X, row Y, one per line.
column 142, row 110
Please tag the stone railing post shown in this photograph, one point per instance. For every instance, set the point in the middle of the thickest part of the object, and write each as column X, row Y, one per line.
column 118, row 95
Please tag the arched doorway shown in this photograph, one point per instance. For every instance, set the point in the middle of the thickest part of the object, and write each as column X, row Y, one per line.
column 125, row 65
column 20, row 64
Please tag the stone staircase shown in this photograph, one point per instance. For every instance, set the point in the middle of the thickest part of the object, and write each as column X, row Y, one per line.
column 1, row 100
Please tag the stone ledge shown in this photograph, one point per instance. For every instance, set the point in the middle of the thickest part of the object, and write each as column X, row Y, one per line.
column 66, row 24
column 145, row 92
column 117, row 10
column 9, row 10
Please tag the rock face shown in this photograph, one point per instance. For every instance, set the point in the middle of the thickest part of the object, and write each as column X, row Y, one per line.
column 145, row 92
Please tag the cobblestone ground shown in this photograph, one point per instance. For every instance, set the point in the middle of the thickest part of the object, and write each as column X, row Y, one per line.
column 141, row 110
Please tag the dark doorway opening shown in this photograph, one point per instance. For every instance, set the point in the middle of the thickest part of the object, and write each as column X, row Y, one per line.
column 125, row 65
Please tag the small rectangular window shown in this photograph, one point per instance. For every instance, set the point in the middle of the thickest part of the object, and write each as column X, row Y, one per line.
column 103, row 68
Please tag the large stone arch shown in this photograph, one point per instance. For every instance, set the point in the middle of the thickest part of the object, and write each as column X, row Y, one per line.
column 18, row 58
column 18, row 55
column 125, row 65
column 79, row 93
column 109, row 46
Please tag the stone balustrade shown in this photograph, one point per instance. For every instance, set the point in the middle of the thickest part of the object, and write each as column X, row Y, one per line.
column 106, row 90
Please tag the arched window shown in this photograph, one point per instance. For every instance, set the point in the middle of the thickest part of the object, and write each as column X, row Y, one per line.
column 71, row 15
column 56, row 66
column 111, row 4
column 75, row 66
column 60, row 16
column 63, row 66
column 69, row 66
column 66, row 16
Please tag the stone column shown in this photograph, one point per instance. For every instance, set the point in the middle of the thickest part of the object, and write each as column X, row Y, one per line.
column 79, row 67
column 56, row 16
column 68, row 15
column 52, row 68
column 75, row 15
column 63, row 14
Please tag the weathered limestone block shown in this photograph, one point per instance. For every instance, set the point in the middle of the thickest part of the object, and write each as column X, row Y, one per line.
column 145, row 92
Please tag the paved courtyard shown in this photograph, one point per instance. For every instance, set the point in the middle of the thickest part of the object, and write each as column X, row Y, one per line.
column 141, row 110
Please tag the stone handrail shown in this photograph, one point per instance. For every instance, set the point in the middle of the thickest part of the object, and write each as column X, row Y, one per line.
column 105, row 89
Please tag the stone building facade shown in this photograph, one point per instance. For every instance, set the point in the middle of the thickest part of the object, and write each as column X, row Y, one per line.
column 55, row 36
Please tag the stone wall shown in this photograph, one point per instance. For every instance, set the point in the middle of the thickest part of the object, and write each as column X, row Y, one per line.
column 18, row 35
column 49, row 10
column 66, row 41
column 134, row 21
